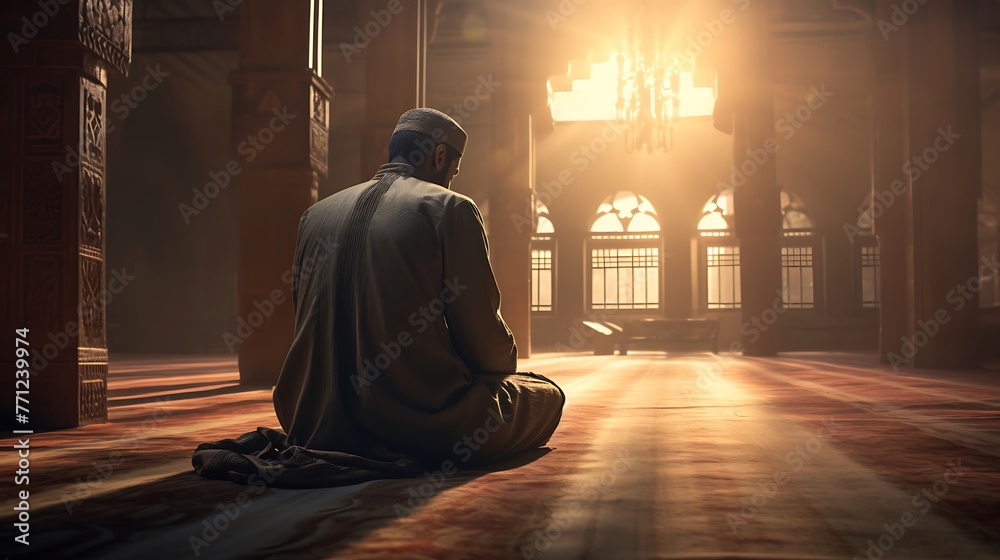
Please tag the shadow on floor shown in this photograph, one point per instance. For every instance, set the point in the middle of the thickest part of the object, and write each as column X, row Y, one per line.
column 171, row 518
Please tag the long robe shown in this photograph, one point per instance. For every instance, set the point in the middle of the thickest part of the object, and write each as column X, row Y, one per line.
column 400, row 353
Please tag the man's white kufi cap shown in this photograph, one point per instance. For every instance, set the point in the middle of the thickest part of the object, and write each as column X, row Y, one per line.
column 435, row 124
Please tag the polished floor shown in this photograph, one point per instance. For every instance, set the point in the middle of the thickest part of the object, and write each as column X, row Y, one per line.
column 810, row 456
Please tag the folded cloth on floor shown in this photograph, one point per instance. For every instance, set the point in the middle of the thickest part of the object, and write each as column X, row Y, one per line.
column 264, row 457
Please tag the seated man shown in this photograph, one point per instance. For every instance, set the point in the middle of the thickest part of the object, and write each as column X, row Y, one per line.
column 401, row 360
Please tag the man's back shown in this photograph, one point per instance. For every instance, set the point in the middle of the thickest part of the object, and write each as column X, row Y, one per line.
column 424, row 349
column 400, row 360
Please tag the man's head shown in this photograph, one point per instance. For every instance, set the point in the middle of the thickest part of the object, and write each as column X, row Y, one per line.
column 430, row 141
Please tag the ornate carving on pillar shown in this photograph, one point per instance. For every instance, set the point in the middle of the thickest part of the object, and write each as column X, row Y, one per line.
column 92, row 217
column 93, row 391
column 52, row 214
column 106, row 29
column 43, row 115
column 92, row 354
column 319, row 107
column 92, row 169
column 319, row 131
column 92, row 210
column 43, row 207
column 91, row 303
column 93, row 123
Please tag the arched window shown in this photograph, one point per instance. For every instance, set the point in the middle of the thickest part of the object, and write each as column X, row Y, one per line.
column 721, row 253
column 798, row 265
column 988, row 235
column 721, row 289
column 794, row 219
column 542, row 261
column 625, row 254
column 716, row 216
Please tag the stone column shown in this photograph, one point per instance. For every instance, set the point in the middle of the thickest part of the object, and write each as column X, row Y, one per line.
column 280, row 136
column 891, row 204
column 395, row 61
column 757, row 201
column 944, row 174
column 52, row 192
column 521, row 93
column 928, row 178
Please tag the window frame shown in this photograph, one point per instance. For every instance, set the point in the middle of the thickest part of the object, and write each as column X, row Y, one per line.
column 544, row 242
column 705, row 242
column 862, row 242
column 804, row 238
column 625, row 239
column 606, row 240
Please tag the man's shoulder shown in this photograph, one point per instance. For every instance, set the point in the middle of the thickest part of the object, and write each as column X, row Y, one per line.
column 342, row 196
column 425, row 188
column 426, row 195
column 410, row 192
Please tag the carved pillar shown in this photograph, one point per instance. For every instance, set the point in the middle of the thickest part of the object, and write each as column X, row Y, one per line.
column 52, row 194
column 280, row 140
column 395, row 61
column 757, row 201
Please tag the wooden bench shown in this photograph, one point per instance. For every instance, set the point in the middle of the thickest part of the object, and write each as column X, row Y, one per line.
column 661, row 334
column 606, row 336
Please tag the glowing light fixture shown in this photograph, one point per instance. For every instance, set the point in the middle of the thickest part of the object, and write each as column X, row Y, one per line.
column 649, row 87
column 644, row 87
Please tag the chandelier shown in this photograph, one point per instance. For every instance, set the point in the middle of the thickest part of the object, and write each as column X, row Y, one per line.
column 649, row 79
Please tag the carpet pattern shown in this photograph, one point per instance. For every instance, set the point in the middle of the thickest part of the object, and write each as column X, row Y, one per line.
column 810, row 456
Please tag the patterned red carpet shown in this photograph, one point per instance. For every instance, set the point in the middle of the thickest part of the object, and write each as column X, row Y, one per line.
column 811, row 456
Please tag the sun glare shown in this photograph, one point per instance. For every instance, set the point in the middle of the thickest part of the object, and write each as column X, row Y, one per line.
column 594, row 98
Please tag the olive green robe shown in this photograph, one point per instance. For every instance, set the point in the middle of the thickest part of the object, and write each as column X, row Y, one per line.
column 399, row 343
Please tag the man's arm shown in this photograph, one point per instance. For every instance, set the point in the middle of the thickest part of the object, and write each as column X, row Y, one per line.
column 471, row 295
